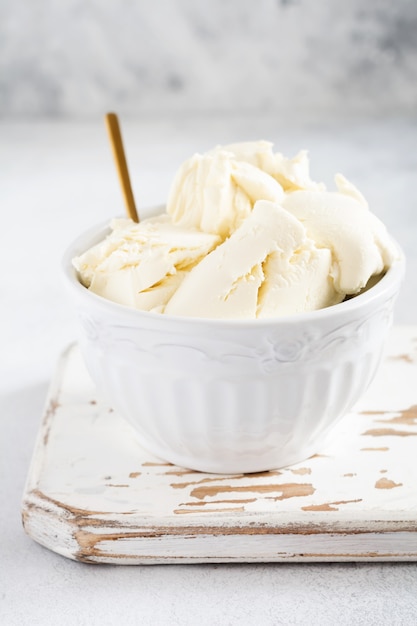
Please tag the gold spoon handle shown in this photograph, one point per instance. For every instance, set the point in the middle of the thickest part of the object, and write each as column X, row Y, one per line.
column 115, row 136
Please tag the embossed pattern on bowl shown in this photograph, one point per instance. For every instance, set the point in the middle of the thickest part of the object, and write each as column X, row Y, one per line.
column 232, row 396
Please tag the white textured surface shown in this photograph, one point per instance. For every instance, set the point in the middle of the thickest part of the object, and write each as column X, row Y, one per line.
column 56, row 180
column 77, row 57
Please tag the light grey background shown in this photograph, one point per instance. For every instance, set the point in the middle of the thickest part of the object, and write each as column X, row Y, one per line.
column 79, row 58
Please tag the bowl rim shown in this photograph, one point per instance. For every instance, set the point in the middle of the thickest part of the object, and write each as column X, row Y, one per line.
column 392, row 278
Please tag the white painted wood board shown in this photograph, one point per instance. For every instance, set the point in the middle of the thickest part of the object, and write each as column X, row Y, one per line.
column 94, row 495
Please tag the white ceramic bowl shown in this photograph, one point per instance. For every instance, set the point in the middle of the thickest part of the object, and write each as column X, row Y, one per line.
column 232, row 396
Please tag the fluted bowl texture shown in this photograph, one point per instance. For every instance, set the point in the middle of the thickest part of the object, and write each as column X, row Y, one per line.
column 229, row 396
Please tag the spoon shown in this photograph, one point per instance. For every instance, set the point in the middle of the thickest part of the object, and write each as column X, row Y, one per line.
column 116, row 142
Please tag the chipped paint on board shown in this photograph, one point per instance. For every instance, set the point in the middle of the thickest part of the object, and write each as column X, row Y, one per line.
column 329, row 506
column 94, row 495
column 389, row 432
column 285, row 490
column 301, row 471
column 386, row 483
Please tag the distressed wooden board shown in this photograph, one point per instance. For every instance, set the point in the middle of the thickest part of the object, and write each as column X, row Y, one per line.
column 93, row 494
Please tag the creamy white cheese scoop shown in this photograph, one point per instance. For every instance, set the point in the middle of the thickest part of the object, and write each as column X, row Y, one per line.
column 247, row 234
